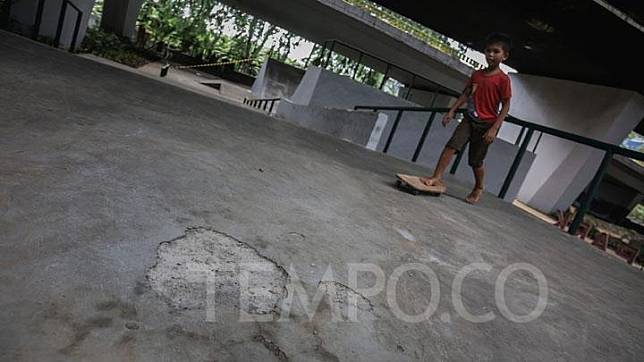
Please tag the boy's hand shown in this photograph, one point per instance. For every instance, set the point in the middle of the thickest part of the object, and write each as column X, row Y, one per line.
column 490, row 135
column 447, row 117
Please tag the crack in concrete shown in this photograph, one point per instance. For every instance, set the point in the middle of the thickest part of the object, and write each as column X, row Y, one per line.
column 349, row 289
column 271, row 346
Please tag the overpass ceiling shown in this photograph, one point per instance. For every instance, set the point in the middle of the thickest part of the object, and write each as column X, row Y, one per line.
column 319, row 21
column 577, row 40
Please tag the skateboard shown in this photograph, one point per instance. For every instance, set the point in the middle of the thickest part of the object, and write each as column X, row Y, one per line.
column 413, row 185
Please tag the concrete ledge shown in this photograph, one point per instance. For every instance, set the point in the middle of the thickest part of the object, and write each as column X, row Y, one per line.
column 352, row 126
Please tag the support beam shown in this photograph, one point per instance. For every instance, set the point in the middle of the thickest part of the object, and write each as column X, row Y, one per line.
column 421, row 142
column 38, row 21
column 590, row 195
column 119, row 16
column 328, row 58
column 515, row 164
column 384, row 79
column 393, row 131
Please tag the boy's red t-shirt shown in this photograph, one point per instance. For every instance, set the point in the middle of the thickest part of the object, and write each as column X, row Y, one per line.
column 487, row 93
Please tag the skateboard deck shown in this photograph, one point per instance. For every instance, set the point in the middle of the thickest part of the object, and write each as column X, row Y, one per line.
column 414, row 185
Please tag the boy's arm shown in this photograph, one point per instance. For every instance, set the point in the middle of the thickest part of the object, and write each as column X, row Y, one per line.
column 490, row 135
column 505, row 108
column 459, row 102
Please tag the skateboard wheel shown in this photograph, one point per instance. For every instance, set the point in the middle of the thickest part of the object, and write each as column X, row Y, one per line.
column 415, row 192
column 398, row 183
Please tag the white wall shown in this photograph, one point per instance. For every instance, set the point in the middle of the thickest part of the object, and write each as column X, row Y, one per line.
column 352, row 126
column 562, row 169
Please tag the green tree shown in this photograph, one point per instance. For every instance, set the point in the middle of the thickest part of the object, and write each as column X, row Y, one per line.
column 197, row 28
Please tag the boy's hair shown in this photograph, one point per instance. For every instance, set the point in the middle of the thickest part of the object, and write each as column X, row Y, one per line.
column 500, row 38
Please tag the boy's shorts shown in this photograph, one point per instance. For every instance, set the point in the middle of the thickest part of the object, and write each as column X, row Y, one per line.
column 471, row 131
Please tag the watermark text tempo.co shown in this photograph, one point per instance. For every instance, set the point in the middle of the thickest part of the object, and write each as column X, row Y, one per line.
column 356, row 292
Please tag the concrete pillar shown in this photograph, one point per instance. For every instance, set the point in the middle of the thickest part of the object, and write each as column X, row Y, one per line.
column 23, row 15
column 119, row 16
column 562, row 169
column 276, row 80
column 636, row 200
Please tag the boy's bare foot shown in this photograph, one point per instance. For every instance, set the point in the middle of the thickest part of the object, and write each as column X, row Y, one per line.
column 431, row 181
column 474, row 196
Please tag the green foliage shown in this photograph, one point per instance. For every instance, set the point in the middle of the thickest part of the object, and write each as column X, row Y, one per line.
column 213, row 32
column 97, row 10
column 635, row 142
column 637, row 214
column 112, row 47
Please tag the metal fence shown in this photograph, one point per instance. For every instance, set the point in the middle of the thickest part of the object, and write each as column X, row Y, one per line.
column 262, row 104
column 61, row 22
column 528, row 129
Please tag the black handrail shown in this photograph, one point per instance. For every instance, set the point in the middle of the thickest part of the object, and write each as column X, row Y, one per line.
column 262, row 103
column 608, row 148
column 61, row 22
column 537, row 127
column 394, row 127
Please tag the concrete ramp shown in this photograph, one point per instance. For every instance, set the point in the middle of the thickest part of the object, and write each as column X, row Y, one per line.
column 353, row 126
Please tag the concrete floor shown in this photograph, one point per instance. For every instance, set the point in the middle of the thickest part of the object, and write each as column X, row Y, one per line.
column 99, row 167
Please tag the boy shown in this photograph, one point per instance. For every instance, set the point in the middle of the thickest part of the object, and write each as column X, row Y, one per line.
column 485, row 91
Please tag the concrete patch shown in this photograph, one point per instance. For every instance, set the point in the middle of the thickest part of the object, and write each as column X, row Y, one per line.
column 208, row 264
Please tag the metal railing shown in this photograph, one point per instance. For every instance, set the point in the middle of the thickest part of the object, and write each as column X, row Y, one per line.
column 61, row 23
column 330, row 46
column 529, row 129
column 262, row 104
